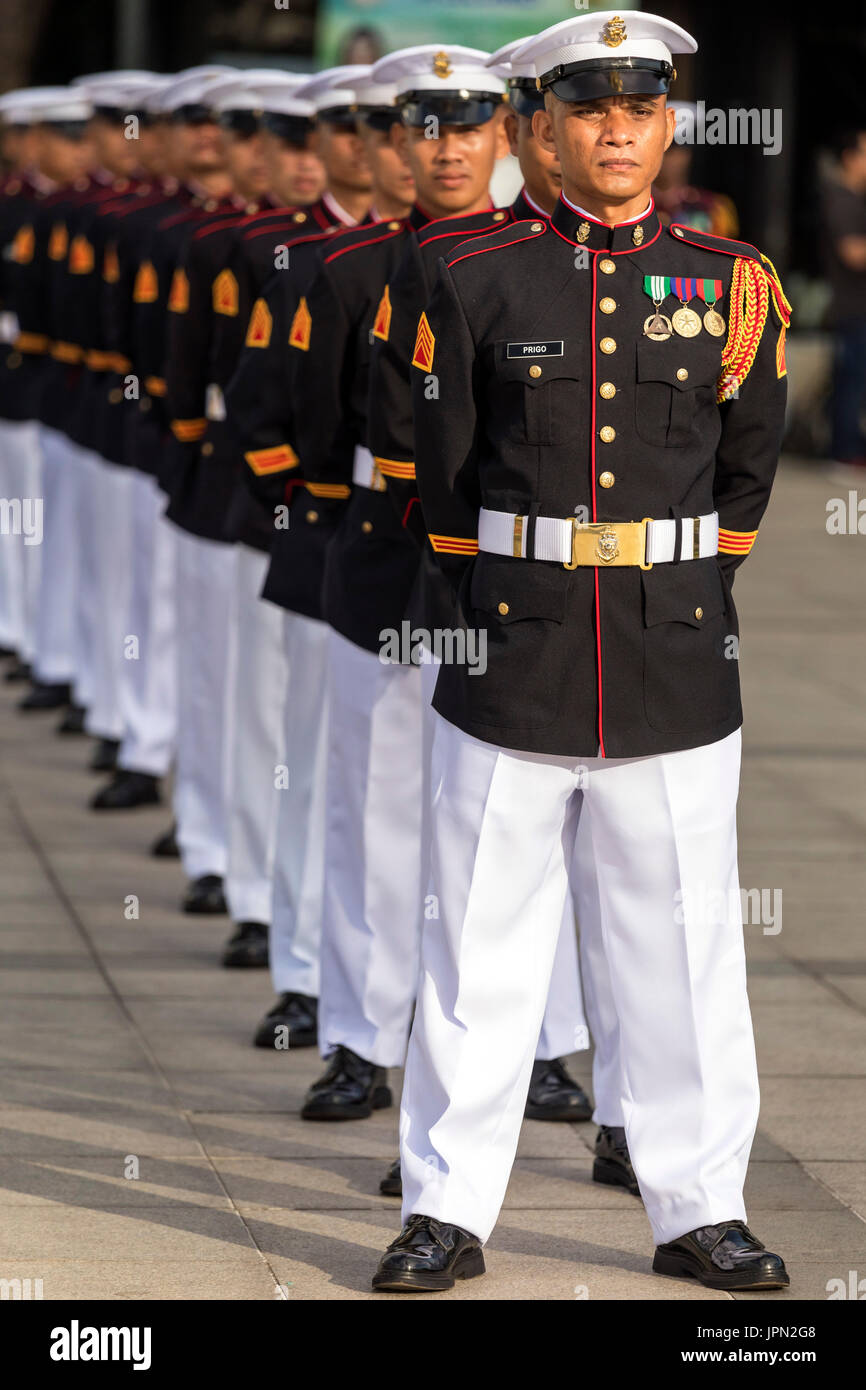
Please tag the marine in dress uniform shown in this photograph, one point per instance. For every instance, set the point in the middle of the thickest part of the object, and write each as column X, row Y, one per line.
column 602, row 363
column 207, row 503
column 40, row 252
column 377, row 870
column 280, row 254
column 20, row 460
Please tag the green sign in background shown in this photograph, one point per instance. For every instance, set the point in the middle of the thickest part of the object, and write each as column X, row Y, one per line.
column 393, row 24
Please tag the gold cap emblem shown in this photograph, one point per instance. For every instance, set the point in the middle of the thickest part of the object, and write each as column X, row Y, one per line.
column 441, row 66
column 614, row 32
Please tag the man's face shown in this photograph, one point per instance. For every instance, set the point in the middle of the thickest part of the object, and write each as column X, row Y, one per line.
column 296, row 174
column 392, row 176
column 245, row 163
column 540, row 167
column 611, row 149
column 61, row 159
column 196, row 149
column 343, row 156
column 453, row 172
column 152, row 148
column 113, row 150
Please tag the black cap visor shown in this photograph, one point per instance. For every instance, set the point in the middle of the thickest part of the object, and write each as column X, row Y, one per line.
column 244, row 124
column 69, row 130
column 343, row 117
column 524, row 97
column 607, row 77
column 450, row 108
column 193, row 113
column 379, row 117
column 295, row 130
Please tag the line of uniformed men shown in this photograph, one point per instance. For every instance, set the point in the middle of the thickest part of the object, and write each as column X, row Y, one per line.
column 211, row 292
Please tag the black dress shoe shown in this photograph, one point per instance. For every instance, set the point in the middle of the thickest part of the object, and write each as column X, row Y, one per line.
column 723, row 1256
column 427, row 1256
column 127, row 790
column 166, row 846
column 554, row 1095
column 292, row 1022
column 105, row 755
column 392, row 1183
column 350, row 1089
column 247, row 947
column 612, row 1164
column 19, row 672
column 73, row 720
column 205, row 896
column 43, row 696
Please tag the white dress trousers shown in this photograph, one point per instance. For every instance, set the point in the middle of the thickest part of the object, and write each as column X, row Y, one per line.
column 378, row 889
column 62, row 543
column 205, row 582
column 299, row 861
column 510, row 830
column 374, row 881
column 254, row 732
column 111, row 543
column 148, row 684
column 20, row 555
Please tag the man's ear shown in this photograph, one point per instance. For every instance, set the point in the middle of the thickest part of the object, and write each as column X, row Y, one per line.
column 511, row 127
column 671, row 122
column 503, row 143
column 542, row 129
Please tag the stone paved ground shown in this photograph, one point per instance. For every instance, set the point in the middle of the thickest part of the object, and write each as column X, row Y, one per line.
column 123, row 1038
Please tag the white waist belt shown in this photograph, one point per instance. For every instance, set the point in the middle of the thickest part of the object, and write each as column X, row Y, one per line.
column 505, row 533
column 214, row 403
column 365, row 470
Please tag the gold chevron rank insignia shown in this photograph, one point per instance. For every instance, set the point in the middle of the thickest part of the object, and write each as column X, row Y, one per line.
column 302, row 326
column 425, row 346
column 58, row 242
column 260, row 326
column 178, row 298
column 382, row 325
column 146, row 287
column 225, row 294
column 80, row 256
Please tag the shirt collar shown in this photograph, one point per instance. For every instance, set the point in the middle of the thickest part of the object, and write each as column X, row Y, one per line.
column 580, row 227
column 338, row 212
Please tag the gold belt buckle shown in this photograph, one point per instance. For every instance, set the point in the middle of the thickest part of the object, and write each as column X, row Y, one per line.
column 602, row 543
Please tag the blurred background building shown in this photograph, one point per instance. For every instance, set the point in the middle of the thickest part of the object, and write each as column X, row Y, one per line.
column 801, row 65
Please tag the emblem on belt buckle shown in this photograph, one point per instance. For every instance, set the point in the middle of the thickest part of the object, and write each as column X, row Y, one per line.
column 607, row 547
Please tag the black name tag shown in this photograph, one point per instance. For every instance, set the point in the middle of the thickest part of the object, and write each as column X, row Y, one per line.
column 535, row 349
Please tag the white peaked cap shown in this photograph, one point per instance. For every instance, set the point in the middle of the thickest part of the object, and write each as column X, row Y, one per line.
column 29, row 105
column 432, row 67
column 502, row 61
column 191, row 88
column 334, row 86
column 605, row 34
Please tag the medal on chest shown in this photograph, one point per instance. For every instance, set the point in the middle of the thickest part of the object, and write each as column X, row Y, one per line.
column 685, row 321
column 658, row 326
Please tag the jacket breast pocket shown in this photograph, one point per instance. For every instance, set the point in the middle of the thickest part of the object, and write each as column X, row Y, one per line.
column 518, row 609
column 534, row 397
column 691, row 671
column 676, row 387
